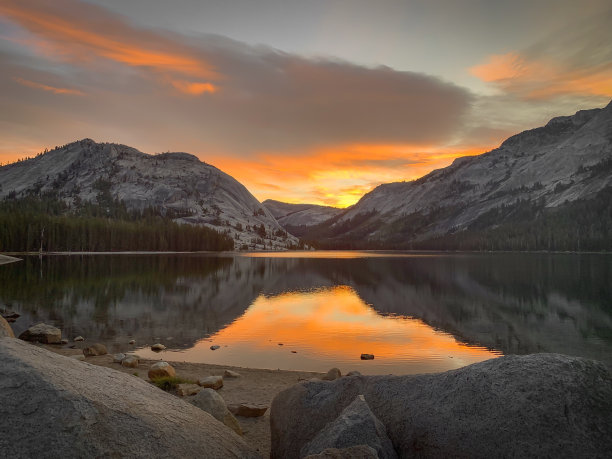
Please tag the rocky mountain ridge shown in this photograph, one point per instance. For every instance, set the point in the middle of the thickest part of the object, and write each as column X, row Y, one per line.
column 177, row 184
column 291, row 216
column 568, row 159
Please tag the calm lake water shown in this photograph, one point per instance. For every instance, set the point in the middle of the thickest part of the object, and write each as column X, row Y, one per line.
column 312, row 311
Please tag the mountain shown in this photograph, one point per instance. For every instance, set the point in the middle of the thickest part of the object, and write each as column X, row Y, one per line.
column 295, row 218
column 176, row 184
column 551, row 184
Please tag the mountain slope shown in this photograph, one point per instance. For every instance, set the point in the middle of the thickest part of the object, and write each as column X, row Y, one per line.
column 293, row 216
column 177, row 184
column 567, row 160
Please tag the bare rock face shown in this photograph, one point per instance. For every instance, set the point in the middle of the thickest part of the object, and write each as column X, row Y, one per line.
column 211, row 402
column 352, row 452
column 42, row 333
column 53, row 406
column 95, row 349
column 356, row 425
column 539, row 405
column 5, row 329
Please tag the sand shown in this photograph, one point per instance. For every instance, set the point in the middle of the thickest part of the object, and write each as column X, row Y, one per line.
column 257, row 386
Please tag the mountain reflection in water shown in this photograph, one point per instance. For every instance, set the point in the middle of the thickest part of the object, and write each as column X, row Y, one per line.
column 415, row 312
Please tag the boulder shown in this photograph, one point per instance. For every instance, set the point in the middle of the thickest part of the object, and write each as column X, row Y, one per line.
column 94, row 349
column 212, row 382
column 248, row 410
column 161, row 370
column 214, row 347
column 367, row 356
column 5, row 329
column 231, row 374
column 211, row 402
column 332, row 374
column 10, row 315
column 132, row 341
column 353, row 373
column 130, row 361
column 544, row 405
column 42, row 333
column 352, row 452
column 53, row 406
column 63, row 341
column 356, row 425
column 118, row 358
column 79, row 338
column 158, row 347
column 185, row 390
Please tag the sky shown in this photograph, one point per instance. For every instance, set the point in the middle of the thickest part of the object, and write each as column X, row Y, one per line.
column 302, row 101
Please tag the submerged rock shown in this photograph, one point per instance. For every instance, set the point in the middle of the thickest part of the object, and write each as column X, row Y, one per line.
column 95, row 349
column 544, row 405
column 161, row 370
column 356, row 425
column 42, row 333
column 212, row 382
column 211, row 402
column 53, row 406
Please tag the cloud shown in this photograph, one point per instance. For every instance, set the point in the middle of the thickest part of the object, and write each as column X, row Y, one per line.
column 257, row 99
column 575, row 60
column 44, row 87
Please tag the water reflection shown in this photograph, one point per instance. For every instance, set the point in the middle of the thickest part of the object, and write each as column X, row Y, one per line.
column 415, row 312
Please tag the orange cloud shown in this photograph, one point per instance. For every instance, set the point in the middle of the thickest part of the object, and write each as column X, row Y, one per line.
column 44, row 87
column 195, row 89
column 542, row 78
column 83, row 39
column 337, row 176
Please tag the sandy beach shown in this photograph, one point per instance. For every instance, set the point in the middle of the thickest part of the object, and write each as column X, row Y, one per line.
column 255, row 386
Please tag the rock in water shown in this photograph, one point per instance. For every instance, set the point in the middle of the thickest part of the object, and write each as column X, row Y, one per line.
column 352, row 452
column 356, row 425
column 132, row 341
column 53, row 406
column 211, row 402
column 367, row 356
column 332, row 374
column 544, row 405
column 130, row 361
column 42, row 333
column 95, row 349
column 214, row 347
column 161, row 370
column 247, row 410
column 212, row 382
column 5, row 329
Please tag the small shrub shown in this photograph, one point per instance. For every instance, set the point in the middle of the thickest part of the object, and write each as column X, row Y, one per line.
column 168, row 384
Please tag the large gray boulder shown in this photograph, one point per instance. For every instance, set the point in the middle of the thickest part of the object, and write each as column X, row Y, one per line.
column 56, row 407
column 545, row 405
column 211, row 402
column 5, row 329
column 356, row 425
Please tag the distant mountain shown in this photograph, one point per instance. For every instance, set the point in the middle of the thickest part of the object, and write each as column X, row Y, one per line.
column 176, row 184
column 295, row 218
column 545, row 188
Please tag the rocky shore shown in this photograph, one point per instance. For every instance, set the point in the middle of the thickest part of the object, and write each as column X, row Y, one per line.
column 54, row 403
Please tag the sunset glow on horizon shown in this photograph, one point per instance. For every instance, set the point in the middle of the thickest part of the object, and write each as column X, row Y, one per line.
column 297, row 103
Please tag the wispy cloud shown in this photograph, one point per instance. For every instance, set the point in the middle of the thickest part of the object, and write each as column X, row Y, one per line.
column 44, row 87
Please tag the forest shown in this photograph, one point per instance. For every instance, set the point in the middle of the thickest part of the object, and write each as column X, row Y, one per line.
column 35, row 223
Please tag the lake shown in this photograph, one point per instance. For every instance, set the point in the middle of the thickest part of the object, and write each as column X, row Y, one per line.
column 416, row 312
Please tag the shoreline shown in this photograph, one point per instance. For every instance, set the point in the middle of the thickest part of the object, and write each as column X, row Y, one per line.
column 254, row 386
column 4, row 259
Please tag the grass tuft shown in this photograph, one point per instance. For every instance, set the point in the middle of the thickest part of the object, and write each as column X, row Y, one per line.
column 168, row 384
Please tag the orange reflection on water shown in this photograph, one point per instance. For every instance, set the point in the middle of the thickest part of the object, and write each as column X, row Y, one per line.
column 332, row 327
